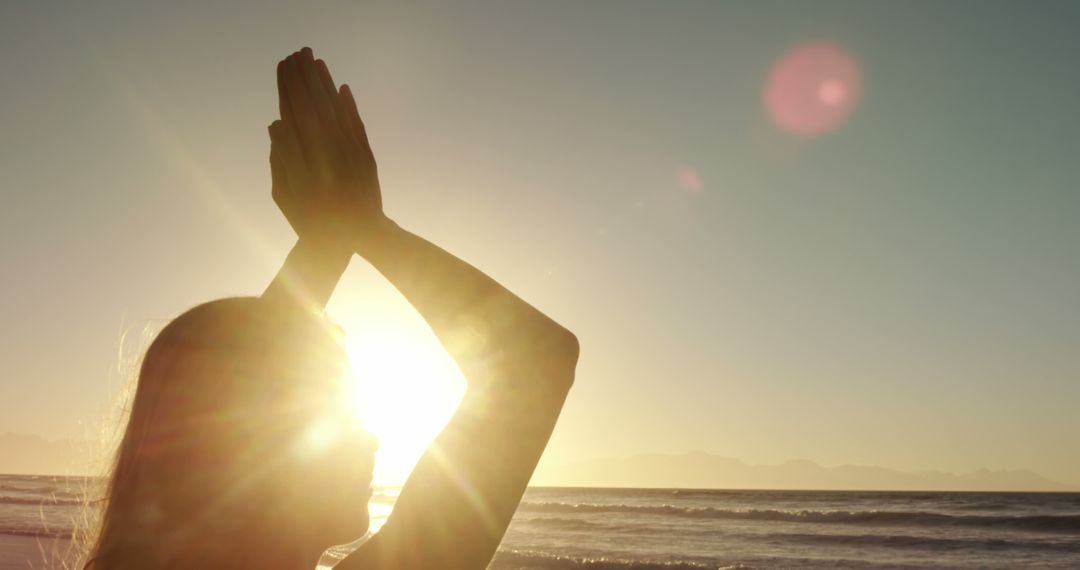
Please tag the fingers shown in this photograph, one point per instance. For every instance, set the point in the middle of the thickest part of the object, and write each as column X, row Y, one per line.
column 344, row 116
column 314, row 110
column 279, row 181
column 284, row 108
column 298, row 102
column 279, row 177
column 321, row 130
column 291, row 104
column 324, row 77
column 285, row 147
column 341, row 114
column 356, row 125
column 320, row 89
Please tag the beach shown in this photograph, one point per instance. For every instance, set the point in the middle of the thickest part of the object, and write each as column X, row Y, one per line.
column 684, row 529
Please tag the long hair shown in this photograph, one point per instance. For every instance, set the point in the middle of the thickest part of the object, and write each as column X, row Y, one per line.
column 224, row 427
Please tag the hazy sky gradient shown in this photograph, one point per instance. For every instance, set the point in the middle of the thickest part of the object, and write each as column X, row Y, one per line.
column 901, row 291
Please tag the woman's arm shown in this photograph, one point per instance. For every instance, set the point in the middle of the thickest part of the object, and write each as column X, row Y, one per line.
column 309, row 275
column 478, row 321
column 519, row 364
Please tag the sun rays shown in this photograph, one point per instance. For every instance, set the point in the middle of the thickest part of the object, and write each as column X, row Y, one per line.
column 406, row 388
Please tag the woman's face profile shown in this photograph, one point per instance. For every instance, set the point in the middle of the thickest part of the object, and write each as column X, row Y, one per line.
column 339, row 455
column 347, row 467
column 277, row 387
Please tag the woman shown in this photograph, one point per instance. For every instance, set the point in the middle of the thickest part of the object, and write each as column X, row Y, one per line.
column 239, row 453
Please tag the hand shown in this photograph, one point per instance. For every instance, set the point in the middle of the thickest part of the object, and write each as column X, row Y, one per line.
column 324, row 175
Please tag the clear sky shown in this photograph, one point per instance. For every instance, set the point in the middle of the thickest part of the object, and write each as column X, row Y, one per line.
column 901, row 290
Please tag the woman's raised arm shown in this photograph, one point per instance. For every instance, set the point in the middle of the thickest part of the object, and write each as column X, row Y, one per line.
column 519, row 364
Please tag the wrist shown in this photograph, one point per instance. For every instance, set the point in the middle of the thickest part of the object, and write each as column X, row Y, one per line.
column 310, row 273
column 376, row 234
column 324, row 250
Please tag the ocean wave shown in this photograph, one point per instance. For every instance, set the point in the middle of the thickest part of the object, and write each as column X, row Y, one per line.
column 931, row 543
column 43, row 501
column 44, row 490
column 35, row 488
column 36, row 531
column 531, row 560
column 563, row 523
column 1040, row 523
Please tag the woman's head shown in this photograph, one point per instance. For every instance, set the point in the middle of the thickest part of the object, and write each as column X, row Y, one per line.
column 239, row 427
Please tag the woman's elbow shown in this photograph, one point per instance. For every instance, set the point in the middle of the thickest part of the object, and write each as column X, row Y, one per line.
column 558, row 357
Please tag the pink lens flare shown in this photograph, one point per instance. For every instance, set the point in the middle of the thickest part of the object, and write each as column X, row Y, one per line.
column 689, row 179
column 812, row 89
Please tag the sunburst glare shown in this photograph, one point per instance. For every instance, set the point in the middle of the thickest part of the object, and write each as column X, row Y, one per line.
column 406, row 389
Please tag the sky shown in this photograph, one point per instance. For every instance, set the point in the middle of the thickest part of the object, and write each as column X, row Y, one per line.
column 895, row 288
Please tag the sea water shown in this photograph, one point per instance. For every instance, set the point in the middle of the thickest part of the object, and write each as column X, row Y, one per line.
column 646, row 529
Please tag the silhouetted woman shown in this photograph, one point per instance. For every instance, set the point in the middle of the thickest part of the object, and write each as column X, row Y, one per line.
column 240, row 452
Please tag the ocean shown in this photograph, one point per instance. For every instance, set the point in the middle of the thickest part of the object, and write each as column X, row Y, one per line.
column 670, row 529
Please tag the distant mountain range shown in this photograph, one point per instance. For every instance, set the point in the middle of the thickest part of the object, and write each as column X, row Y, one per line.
column 31, row 454
column 705, row 471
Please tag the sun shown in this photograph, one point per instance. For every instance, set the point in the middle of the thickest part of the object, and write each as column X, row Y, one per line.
column 406, row 387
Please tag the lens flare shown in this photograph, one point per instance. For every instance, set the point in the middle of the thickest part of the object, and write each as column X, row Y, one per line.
column 406, row 389
column 689, row 179
column 318, row 437
column 812, row 89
